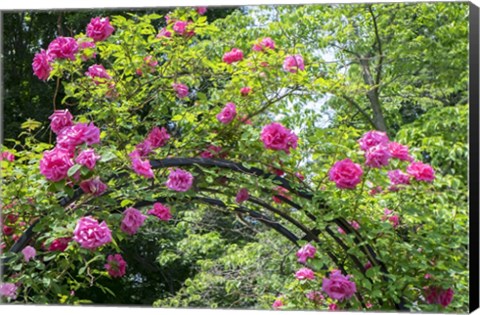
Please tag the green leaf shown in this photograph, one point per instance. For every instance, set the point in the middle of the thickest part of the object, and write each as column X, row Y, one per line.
column 72, row 170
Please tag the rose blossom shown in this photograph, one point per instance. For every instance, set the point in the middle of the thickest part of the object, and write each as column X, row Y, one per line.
column 116, row 266
column 367, row 265
column 72, row 136
column 150, row 61
column 90, row 234
column 28, row 253
column 399, row 151
column 293, row 63
column 7, row 230
column 158, row 137
column 99, row 29
column 179, row 27
column 180, row 89
column 142, row 149
column 227, row 114
column 332, row 307
column 93, row 186
column 377, row 156
column 60, row 119
column 436, row 295
column 41, row 65
column 6, row 155
column 373, row 138
column 421, row 171
column 276, row 137
column 201, row 10
column 88, row 158
column 341, row 231
column 242, row 195
column 245, row 90
column 160, row 211
column 59, row 244
column 305, row 273
column 395, row 220
column 211, row 152
column 265, row 43
column 97, row 71
column 307, row 251
column 179, row 180
column 8, row 290
column 355, row 224
column 142, row 168
column 55, row 164
column 233, row 56
column 277, row 304
column 164, row 33
column 132, row 221
column 346, row 174
column 63, row 48
column 397, row 177
column 338, row 286
column 445, row 297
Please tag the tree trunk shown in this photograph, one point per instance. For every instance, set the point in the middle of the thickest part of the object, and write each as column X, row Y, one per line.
column 372, row 94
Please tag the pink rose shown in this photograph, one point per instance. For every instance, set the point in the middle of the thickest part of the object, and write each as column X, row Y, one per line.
column 72, row 136
column 93, row 186
column 160, row 211
column 144, row 148
column 245, row 90
column 41, row 65
column 307, row 251
column 368, row 265
column 6, row 155
column 341, row 231
column 305, row 273
column 428, row 276
column 293, row 63
column 164, row 33
column 90, row 234
column 116, row 266
column 59, row 244
column 242, row 195
column 211, row 152
column 28, row 253
column 373, row 138
column 55, row 164
column 397, row 177
column 277, row 304
column 132, row 221
column 60, row 119
column 98, row 71
column 265, row 43
column 180, row 89
column 150, row 61
column 276, row 137
column 300, row 176
column 180, row 27
column 421, row 172
column 355, row 224
column 201, row 10
column 399, row 151
column 8, row 290
column 99, row 29
column 233, row 56
column 377, row 156
column 88, row 158
column 338, row 286
column 332, row 307
column 315, row 296
column 63, row 48
column 7, row 230
column 395, row 220
column 346, row 174
column 158, row 137
column 142, row 168
column 445, row 297
column 227, row 114
column 179, row 180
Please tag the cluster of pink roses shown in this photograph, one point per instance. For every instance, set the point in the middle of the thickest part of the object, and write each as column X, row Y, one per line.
column 61, row 47
column 158, row 137
column 8, row 156
column 378, row 152
column 8, row 290
column 56, row 162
